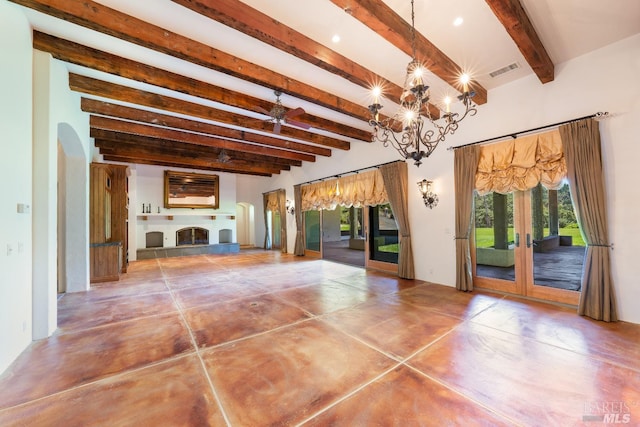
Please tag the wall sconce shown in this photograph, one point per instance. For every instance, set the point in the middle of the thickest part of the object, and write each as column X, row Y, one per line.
column 289, row 206
column 428, row 196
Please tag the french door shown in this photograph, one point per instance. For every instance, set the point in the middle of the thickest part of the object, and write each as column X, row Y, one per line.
column 374, row 237
column 528, row 243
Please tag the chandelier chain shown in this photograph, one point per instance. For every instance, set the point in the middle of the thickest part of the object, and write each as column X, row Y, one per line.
column 413, row 32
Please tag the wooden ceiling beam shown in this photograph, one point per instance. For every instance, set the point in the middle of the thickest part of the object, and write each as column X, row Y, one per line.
column 105, row 123
column 115, row 142
column 209, row 163
column 244, row 18
column 75, row 53
column 135, row 96
column 98, row 17
column 376, row 15
column 119, row 139
column 176, row 164
column 517, row 23
column 122, row 112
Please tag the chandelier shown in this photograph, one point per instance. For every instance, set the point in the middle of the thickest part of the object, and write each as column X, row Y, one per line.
column 406, row 131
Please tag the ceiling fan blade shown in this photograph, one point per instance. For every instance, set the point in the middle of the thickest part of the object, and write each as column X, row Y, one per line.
column 298, row 124
column 276, row 127
column 294, row 112
column 262, row 110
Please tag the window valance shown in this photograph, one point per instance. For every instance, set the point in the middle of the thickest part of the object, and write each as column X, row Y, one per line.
column 361, row 189
column 521, row 164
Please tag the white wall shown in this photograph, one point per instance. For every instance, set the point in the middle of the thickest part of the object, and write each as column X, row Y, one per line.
column 604, row 80
column 146, row 186
column 15, row 182
column 57, row 119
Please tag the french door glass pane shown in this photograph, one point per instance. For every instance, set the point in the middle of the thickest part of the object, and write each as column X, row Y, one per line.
column 277, row 231
column 312, row 230
column 558, row 246
column 495, row 249
column 383, row 234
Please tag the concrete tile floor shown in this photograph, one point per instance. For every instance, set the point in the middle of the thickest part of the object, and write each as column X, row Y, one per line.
column 260, row 338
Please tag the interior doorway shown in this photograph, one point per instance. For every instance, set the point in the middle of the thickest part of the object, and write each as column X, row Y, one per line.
column 529, row 243
column 245, row 225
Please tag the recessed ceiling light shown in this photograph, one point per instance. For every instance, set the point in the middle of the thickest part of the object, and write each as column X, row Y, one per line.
column 335, row 38
column 458, row 21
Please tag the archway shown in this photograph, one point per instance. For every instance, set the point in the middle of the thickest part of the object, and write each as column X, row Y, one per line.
column 245, row 225
column 73, row 212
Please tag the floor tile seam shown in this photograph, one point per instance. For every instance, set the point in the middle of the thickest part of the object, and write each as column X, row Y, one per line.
column 354, row 286
column 391, row 356
column 257, row 334
column 429, row 309
column 461, row 393
column 162, row 272
column 293, row 304
column 433, row 342
column 194, row 343
column 230, row 301
column 570, row 350
column 350, row 394
column 105, row 378
column 60, row 331
column 124, row 297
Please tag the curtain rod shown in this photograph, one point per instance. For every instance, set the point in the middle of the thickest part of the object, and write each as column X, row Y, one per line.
column 273, row 191
column 338, row 175
column 514, row 135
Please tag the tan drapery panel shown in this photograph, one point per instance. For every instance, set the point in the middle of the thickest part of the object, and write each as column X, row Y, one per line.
column 273, row 201
column 520, row 164
column 465, row 162
column 265, row 203
column 582, row 147
column 395, row 180
column 297, row 200
column 361, row 189
column 282, row 208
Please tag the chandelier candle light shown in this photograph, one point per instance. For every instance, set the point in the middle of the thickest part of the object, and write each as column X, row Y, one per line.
column 405, row 130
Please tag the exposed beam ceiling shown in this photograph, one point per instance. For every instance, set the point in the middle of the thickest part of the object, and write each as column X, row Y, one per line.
column 150, row 101
column 103, row 19
column 76, row 53
column 376, row 15
column 250, row 21
column 144, row 116
column 517, row 23
column 122, row 93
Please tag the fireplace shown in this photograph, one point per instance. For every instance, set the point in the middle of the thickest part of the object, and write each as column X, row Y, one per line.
column 192, row 236
column 155, row 239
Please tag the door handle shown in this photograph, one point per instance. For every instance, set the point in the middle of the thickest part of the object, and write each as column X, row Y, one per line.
column 528, row 240
column 517, row 240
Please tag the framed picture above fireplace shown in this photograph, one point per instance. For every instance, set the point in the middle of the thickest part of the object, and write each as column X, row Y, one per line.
column 191, row 190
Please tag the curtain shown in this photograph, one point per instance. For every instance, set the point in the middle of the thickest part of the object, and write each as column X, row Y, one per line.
column 282, row 208
column 582, row 148
column 265, row 203
column 465, row 162
column 361, row 189
column 273, row 201
column 520, row 164
column 297, row 201
column 395, row 181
